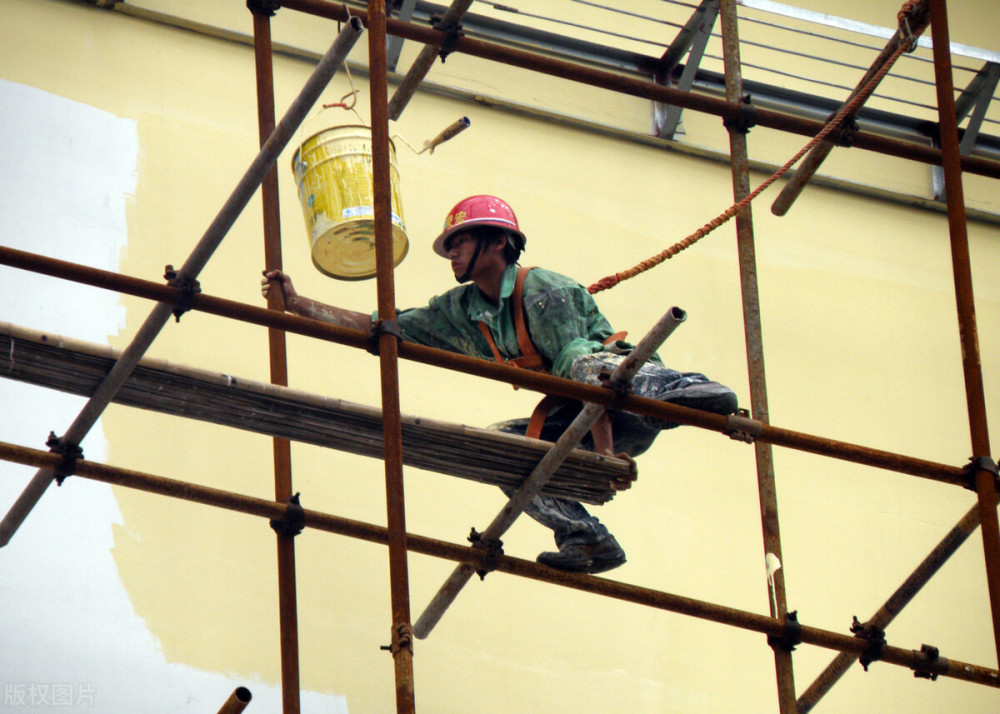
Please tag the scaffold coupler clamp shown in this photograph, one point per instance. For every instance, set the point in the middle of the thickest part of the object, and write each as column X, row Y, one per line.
column 746, row 120
column 402, row 639
column 452, row 32
column 846, row 131
column 791, row 637
column 912, row 14
column 187, row 289
column 619, row 391
column 69, row 451
column 932, row 657
column 490, row 551
column 980, row 463
column 379, row 328
column 875, row 638
column 741, row 427
column 294, row 520
column 264, row 8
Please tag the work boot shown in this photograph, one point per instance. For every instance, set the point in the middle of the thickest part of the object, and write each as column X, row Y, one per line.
column 586, row 557
column 706, row 396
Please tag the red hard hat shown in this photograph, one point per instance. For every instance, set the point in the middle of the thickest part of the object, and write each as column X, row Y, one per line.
column 479, row 211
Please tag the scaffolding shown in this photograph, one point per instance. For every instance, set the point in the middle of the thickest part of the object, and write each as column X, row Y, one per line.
column 288, row 518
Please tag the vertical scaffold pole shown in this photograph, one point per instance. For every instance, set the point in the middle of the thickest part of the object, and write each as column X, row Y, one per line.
column 755, row 355
column 962, row 270
column 262, row 10
column 402, row 631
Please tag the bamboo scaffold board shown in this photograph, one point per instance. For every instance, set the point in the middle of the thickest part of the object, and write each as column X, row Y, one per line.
column 481, row 455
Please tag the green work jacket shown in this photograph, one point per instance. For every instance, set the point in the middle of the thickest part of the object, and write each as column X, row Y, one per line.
column 562, row 317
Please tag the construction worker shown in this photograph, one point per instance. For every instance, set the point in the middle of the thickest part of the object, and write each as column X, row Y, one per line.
column 566, row 330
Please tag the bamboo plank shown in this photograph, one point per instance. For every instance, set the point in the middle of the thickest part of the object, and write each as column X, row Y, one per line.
column 489, row 457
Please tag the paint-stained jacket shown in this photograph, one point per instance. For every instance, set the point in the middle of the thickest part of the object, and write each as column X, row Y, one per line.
column 562, row 317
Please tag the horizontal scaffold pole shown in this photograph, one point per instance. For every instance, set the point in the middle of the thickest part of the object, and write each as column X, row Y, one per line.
column 535, row 381
column 919, row 661
column 642, row 88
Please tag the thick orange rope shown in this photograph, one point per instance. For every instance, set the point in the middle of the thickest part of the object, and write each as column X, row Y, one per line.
column 848, row 109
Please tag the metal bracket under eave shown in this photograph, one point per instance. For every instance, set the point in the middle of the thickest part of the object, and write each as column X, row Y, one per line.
column 973, row 102
column 694, row 36
column 394, row 44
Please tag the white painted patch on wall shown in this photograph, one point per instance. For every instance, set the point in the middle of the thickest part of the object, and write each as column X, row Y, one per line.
column 68, row 170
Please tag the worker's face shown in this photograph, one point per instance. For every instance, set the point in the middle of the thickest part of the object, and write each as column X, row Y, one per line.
column 461, row 248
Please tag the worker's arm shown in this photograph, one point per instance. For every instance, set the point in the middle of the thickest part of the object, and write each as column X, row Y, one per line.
column 306, row 307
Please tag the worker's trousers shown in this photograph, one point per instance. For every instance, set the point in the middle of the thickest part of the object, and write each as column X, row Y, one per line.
column 570, row 522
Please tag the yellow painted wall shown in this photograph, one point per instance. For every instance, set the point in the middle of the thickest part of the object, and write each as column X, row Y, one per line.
column 861, row 344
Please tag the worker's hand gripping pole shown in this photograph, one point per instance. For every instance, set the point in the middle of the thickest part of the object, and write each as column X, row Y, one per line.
column 547, row 466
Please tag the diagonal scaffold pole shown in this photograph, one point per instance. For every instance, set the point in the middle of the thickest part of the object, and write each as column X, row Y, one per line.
column 893, row 606
column 186, row 276
column 917, row 17
column 425, row 60
column 982, row 467
column 620, row 379
column 763, row 453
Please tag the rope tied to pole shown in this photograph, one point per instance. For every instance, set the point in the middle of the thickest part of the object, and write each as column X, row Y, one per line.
column 833, row 124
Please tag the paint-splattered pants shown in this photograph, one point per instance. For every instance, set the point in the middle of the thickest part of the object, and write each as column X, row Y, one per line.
column 569, row 521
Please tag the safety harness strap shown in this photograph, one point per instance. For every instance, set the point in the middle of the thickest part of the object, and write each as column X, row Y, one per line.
column 530, row 359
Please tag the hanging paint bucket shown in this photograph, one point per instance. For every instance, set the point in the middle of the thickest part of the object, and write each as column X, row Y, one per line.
column 333, row 172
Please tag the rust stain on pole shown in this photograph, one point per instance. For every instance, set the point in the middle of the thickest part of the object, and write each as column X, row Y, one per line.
column 282, row 453
column 962, row 269
column 402, row 640
column 755, row 354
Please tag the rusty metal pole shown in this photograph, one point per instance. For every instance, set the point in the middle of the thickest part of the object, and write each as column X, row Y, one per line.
column 645, row 89
column 917, row 660
column 237, row 701
column 262, row 10
column 894, row 605
column 530, row 487
column 814, row 159
column 983, row 468
column 425, row 60
column 755, row 354
column 402, row 631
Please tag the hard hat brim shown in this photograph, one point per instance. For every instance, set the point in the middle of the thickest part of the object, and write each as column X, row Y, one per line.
column 508, row 227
